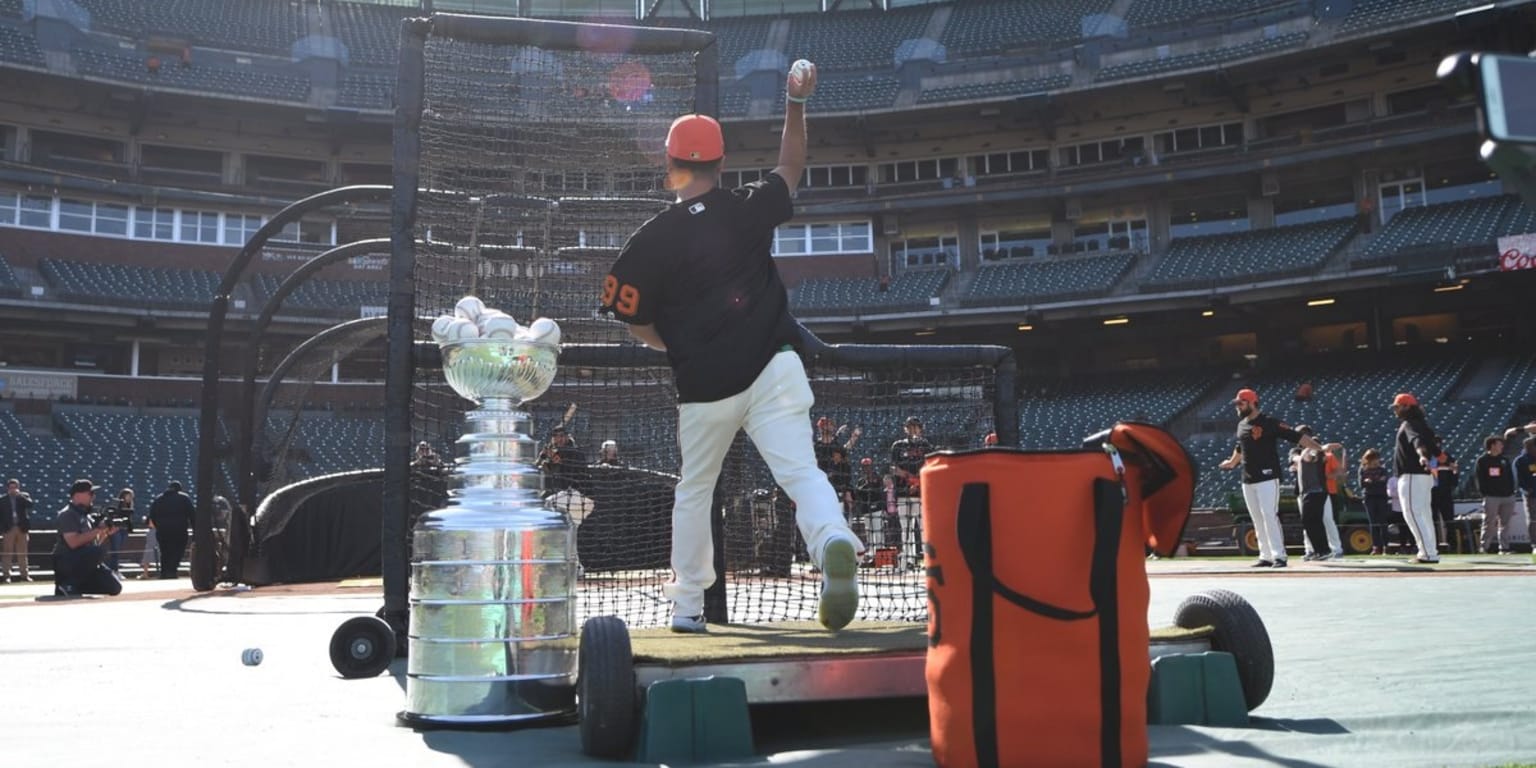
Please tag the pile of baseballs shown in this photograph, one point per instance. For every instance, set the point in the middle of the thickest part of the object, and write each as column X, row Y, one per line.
column 471, row 319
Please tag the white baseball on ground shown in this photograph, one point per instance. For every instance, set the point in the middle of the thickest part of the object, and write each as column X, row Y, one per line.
column 544, row 330
column 499, row 327
column 470, row 308
column 251, row 657
column 459, row 330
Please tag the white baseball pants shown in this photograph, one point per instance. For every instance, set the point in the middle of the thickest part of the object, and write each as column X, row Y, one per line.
column 775, row 412
column 1413, row 493
column 1263, row 501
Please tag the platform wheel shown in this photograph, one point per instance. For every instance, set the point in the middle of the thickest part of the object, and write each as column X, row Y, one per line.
column 1238, row 630
column 607, row 697
column 1357, row 540
column 362, row 647
column 1247, row 539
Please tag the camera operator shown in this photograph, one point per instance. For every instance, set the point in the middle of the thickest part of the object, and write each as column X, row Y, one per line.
column 77, row 557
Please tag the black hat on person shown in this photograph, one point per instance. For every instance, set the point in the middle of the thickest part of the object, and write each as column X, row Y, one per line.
column 914, row 420
column 557, row 430
column 174, row 487
column 82, row 486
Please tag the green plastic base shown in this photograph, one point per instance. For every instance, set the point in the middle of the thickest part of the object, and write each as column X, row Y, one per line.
column 1196, row 689
column 695, row 721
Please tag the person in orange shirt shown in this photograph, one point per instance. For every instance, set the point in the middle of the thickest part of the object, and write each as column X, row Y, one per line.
column 1337, row 477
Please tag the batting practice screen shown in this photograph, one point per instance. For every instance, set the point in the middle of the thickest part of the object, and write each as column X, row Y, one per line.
column 526, row 152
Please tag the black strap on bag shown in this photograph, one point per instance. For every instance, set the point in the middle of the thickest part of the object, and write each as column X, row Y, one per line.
column 1104, row 586
column 974, row 535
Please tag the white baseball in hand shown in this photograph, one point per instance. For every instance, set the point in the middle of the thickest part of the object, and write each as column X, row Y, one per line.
column 469, row 308
column 544, row 330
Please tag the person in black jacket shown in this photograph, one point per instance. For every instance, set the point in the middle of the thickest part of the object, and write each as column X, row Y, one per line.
column 1378, row 506
column 1496, row 484
column 171, row 515
column 15, row 523
column 1413, row 462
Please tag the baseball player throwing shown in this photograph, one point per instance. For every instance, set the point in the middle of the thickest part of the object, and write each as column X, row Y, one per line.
column 698, row 281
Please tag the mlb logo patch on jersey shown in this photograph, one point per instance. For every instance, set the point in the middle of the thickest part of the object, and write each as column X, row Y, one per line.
column 696, row 208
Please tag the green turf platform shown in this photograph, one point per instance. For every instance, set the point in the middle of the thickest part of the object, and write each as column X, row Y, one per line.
column 747, row 642
column 792, row 640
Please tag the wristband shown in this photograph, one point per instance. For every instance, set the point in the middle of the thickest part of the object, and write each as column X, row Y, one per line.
column 801, row 100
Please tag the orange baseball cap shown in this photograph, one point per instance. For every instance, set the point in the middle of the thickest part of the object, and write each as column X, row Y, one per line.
column 696, row 139
column 1404, row 400
column 1246, row 396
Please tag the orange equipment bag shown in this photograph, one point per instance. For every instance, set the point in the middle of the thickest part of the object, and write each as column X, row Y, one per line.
column 1037, row 597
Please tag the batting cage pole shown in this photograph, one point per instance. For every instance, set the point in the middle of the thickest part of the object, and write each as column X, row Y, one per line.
column 203, row 577
column 398, row 354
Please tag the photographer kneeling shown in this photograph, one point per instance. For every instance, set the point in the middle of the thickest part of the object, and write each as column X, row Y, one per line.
column 77, row 557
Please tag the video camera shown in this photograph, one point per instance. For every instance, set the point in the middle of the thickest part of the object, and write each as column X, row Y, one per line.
column 102, row 517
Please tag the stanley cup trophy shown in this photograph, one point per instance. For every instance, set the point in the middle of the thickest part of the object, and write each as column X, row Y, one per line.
column 492, row 590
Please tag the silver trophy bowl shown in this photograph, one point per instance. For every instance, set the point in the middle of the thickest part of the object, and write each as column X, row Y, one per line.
column 491, row 370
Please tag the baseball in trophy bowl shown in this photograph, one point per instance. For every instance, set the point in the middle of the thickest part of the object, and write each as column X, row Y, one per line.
column 493, row 571
column 499, row 374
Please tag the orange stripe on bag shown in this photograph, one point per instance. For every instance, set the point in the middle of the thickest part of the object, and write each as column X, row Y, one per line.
column 1038, row 594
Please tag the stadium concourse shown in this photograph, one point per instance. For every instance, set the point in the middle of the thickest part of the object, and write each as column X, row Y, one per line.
column 1376, row 664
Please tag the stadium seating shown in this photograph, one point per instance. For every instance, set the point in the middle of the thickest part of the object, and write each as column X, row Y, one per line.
column 1153, row 13
column 843, row 295
column 1369, row 14
column 1201, row 59
column 370, row 32
column 990, row 26
column 264, row 26
column 998, row 90
column 117, row 283
column 1059, row 414
column 1465, row 222
column 855, row 94
column 363, row 90
column 19, row 47
column 340, row 444
column 736, row 38
column 335, row 297
column 1054, row 279
column 223, row 80
column 1249, row 255
column 10, row 8
column 9, row 285
column 735, row 102
column 854, row 39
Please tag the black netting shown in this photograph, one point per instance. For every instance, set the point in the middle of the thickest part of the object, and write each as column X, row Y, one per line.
column 535, row 165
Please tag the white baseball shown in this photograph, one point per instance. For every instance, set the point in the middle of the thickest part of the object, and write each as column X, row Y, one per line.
column 544, row 330
column 440, row 327
column 251, row 657
column 469, row 308
column 800, row 70
column 459, row 330
column 499, row 327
